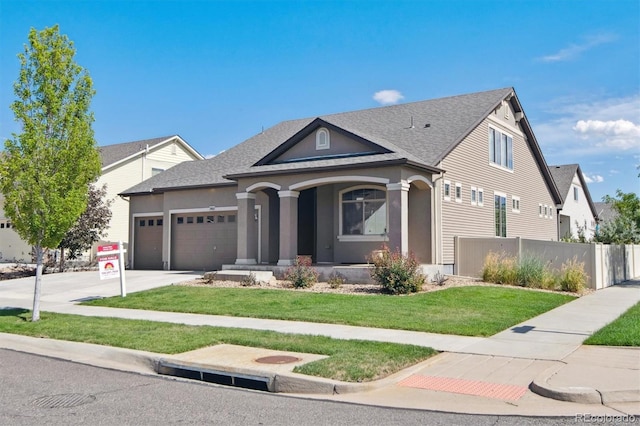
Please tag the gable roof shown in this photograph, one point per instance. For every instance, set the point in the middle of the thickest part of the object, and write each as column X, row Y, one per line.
column 117, row 153
column 563, row 177
column 420, row 134
column 606, row 212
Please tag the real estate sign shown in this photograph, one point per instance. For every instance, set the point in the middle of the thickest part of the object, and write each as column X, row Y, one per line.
column 108, row 267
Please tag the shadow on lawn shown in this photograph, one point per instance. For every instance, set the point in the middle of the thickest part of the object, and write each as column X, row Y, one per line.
column 20, row 313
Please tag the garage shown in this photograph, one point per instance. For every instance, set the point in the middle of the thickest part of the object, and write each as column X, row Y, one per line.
column 148, row 243
column 203, row 241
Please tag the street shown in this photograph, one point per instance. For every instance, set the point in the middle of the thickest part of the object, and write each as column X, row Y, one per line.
column 41, row 390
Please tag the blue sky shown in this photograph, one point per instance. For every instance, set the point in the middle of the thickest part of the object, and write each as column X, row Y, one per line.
column 217, row 72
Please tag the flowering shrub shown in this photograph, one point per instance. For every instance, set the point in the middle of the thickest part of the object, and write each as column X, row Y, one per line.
column 395, row 272
column 301, row 274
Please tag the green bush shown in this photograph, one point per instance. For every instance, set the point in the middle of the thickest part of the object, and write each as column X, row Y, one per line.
column 302, row 275
column 395, row 272
column 573, row 277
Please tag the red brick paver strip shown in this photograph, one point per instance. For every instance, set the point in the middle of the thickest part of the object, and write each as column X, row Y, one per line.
column 466, row 387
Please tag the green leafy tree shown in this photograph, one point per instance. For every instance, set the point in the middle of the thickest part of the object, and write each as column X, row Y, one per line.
column 624, row 227
column 90, row 226
column 46, row 169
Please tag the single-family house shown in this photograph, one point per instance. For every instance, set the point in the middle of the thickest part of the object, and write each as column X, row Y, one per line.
column 123, row 165
column 577, row 212
column 336, row 187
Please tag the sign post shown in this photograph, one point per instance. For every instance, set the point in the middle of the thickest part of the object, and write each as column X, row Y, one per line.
column 111, row 264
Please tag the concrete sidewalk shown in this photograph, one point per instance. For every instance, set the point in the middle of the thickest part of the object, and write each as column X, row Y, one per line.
column 473, row 375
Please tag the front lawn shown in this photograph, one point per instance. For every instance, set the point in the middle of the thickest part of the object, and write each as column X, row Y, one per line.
column 467, row 311
column 349, row 360
column 625, row 331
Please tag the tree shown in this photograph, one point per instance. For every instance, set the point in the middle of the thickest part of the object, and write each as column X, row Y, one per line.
column 89, row 227
column 624, row 227
column 46, row 169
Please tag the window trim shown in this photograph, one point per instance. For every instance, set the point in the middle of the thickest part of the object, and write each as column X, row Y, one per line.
column 495, row 224
column 474, row 196
column 446, row 184
column 364, row 237
column 515, row 204
column 480, row 197
column 458, row 193
column 508, row 149
column 326, row 144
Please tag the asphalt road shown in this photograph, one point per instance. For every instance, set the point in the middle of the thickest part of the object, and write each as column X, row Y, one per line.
column 40, row 390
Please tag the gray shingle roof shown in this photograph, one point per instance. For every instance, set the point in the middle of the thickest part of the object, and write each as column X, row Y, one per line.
column 563, row 176
column 450, row 120
column 111, row 154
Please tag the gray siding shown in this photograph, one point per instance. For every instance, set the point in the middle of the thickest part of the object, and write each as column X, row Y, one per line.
column 469, row 165
column 339, row 144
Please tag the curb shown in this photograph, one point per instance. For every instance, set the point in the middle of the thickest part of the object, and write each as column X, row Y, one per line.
column 84, row 353
column 152, row 363
column 579, row 394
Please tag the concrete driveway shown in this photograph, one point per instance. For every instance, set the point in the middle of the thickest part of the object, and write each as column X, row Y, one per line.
column 63, row 288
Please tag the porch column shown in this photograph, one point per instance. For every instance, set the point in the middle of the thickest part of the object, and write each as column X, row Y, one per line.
column 288, row 227
column 398, row 232
column 247, row 226
column 436, row 222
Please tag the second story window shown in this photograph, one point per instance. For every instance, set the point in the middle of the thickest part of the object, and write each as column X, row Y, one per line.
column 500, row 149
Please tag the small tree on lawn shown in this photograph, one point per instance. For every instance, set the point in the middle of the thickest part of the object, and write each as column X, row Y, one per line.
column 90, row 226
column 46, row 169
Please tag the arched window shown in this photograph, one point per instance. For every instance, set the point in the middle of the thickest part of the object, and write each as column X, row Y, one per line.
column 323, row 140
column 363, row 211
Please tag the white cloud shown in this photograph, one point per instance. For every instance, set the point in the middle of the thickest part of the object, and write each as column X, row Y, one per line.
column 614, row 134
column 574, row 50
column 592, row 178
column 588, row 127
column 388, row 97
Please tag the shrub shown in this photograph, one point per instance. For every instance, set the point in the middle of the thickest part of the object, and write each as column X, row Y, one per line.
column 249, row 280
column 336, row 279
column 531, row 272
column 396, row 273
column 302, row 275
column 573, row 277
column 499, row 269
column 439, row 278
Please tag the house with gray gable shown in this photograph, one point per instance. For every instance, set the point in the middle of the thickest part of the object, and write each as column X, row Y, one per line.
column 123, row 164
column 336, row 187
column 577, row 212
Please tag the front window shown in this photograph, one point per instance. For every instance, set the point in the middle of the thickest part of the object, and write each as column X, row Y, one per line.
column 500, row 149
column 501, row 215
column 575, row 193
column 364, row 212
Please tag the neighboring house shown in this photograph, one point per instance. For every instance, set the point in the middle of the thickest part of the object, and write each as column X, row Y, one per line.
column 577, row 211
column 605, row 211
column 335, row 187
column 123, row 164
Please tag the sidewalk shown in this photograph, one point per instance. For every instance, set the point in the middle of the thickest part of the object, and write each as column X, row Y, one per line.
column 473, row 375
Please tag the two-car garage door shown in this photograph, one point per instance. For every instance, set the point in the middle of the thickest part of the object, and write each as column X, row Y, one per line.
column 203, row 241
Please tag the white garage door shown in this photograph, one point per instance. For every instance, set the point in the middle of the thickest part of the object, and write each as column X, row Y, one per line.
column 203, row 241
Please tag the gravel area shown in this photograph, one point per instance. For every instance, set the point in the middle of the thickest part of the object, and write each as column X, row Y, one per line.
column 323, row 287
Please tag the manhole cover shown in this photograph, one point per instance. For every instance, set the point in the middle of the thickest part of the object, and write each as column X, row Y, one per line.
column 66, row 400
column 277, row 359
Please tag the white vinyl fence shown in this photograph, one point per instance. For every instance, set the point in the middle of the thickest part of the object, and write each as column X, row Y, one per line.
column 605, row 264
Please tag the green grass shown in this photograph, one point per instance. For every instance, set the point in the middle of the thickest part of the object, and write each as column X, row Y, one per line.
column 625, row 331
column 349, row 360
column 468, row 311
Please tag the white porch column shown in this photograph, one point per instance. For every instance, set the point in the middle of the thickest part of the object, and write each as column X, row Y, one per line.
column 436, row 222
column 247, row 229
column 398, row 232
column 288, row 227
